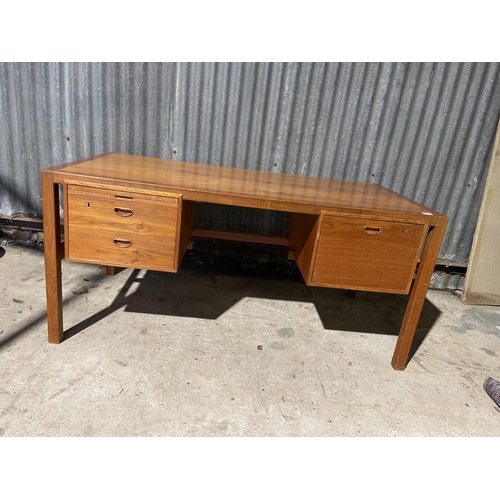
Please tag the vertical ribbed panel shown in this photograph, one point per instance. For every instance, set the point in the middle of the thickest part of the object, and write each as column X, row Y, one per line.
column 424, row 130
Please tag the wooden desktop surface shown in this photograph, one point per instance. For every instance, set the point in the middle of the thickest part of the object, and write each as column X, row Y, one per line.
column 251, row 188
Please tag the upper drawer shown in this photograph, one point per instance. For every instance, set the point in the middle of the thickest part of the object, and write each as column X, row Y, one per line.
column 107, row 215
column 363, row 254
column 108, row 210
column 123, row 194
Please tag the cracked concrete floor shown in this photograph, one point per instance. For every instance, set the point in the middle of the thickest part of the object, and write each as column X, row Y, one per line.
column 213, row 353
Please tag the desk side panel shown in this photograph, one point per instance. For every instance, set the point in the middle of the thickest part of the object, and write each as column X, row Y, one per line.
column 186, row 223
column 303, row 230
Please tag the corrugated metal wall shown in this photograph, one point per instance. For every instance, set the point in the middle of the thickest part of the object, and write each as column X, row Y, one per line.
column 425, row 130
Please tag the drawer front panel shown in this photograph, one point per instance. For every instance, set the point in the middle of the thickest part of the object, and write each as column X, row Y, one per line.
column 122, row 194
column 362, row 254
column 121, row 249
column 110, row 214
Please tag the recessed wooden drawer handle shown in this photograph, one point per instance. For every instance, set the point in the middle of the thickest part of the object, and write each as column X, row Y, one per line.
column 124, row 212
column 373, row 230
column 122, row 243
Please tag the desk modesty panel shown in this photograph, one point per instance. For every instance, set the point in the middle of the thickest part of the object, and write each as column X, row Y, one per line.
column 132, row 211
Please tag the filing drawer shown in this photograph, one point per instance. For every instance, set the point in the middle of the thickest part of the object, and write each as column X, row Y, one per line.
column 366, row 254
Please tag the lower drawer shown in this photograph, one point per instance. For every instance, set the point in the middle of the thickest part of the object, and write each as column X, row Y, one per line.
column 121, row 249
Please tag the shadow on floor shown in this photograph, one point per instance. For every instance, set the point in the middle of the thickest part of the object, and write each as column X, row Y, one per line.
column 199, row 291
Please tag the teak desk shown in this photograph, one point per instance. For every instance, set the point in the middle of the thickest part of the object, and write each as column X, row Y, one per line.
column 132, row 211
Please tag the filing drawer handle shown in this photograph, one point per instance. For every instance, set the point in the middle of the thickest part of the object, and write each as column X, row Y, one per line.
column 122, row 243
column 373, row 230
column 124, row 212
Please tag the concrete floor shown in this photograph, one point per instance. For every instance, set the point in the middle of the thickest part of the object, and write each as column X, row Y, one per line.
column 212, row 353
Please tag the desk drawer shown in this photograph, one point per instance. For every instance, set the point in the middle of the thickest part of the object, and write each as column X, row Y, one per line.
column 123, row 214
column 364, row 254
column 121, row 194
column 121, row 249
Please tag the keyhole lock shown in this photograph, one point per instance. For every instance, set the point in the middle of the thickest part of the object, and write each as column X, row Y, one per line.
column 88, row 206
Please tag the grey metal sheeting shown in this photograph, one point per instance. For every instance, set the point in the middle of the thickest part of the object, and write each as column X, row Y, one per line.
column 425, row 130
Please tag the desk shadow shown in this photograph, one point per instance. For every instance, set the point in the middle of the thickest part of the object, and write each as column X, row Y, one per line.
column 204, row 292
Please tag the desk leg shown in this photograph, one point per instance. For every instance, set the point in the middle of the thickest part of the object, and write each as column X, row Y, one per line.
column 417, row 296
column 53, row 252
column 110, row 271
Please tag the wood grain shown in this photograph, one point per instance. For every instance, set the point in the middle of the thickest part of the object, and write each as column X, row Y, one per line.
column 365, row 254
column 260, row 239
column 100, row 247
column 303, row 231
column 236, row 186
column 98, row 218
column 186, row 223
column 106, row 215
column 53, row 253
column 417, row 296
column 131, row 194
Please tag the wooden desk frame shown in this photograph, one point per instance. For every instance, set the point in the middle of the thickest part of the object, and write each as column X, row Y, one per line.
column 310, row 201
